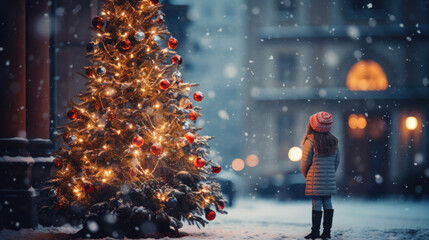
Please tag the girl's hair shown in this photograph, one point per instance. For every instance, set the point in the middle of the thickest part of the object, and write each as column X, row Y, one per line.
column 324, row 143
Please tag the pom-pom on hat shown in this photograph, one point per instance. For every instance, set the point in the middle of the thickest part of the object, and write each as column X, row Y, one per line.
column 321, row 122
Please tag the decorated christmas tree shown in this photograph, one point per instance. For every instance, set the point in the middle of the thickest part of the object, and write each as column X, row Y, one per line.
column 132, row 162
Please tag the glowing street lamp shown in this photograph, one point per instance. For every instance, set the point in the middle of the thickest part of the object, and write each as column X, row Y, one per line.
column 295, row 154
column 411, row 123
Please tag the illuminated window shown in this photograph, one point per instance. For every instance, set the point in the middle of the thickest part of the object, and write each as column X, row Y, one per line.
column 366, row 76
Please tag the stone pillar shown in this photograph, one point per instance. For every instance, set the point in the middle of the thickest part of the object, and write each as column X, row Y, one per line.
column 25, row 146
column 15, row 164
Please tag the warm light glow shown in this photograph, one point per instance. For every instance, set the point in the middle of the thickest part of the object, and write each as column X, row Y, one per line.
column 295, row 154
column 366, row 76
column 252, row 160
column 238, row 164
column 357, row 121
column 411, row 123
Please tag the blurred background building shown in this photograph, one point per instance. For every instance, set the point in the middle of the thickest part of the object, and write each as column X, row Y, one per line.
column 363, row 61
column 264, row 67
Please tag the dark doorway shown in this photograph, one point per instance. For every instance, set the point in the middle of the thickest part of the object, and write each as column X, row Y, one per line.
column 367, row 153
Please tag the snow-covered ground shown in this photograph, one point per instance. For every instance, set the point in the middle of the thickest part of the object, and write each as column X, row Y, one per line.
column 269, row 219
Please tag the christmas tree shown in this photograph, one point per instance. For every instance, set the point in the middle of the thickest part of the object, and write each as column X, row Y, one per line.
column 132, row 163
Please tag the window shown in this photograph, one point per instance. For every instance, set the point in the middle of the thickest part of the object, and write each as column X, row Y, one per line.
column 366, row 76
column 287, row 69
column 286, row 9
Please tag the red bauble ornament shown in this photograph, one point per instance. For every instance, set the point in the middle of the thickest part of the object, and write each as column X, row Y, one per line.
column 89, row 188
column 138, row 141
column 72, row 114
column 97, row 106
column 133, row 172
column 111, row 115
column 66, row 136
column 216, row 169
column 193, row 115
column 190, row 106
column 164, row 84
column 98, row 22
column 190, row 137
column 90, row 72
column 58, row 163
column 172, row 43
column 125, row 44
column 199, row 162
column 154, row 2
column 210, row 215
column 156, row 149
column 221, row 205
column 160, row 20
column 198, row 96
column 176, row 59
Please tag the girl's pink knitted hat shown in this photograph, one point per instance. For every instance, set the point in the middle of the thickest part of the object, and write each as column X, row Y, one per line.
column 321, row 122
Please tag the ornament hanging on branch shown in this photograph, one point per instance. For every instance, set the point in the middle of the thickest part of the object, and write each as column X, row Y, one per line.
column 125, row 44
column 190, row 137
column 98, row 22
column 210, row 214
column 139, row 36
column 198, row 96
column 101, row 71
column 172, row 43
column 221, row 205
column 72, row 140
column 138, row 141
column 199, row 162
column 164, row 84
column 160, row 20
column 72, row 114
column 176, row 59
column 58, row 163
column 156, row 149
column 216, row 169
column 193, row 116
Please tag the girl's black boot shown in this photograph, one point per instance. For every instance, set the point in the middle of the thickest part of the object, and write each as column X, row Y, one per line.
column 316, row 218
column 328, row 215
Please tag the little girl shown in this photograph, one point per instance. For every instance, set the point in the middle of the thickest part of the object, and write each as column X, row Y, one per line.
column 320, row 161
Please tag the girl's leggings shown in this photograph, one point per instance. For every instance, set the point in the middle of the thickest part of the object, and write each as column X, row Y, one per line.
column 318, row 201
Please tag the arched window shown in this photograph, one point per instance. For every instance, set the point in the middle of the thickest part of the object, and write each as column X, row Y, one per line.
column 366, row 76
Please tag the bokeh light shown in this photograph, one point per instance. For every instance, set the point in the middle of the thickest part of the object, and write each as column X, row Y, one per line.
column 295, row 154
column 411, row 123
column 237, row 164
column 252, row 160
column 357, row 121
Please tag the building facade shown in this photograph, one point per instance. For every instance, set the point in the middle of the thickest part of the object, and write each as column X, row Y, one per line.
column 363, row 61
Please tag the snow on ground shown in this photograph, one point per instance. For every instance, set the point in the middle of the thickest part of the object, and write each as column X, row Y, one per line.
column 270, row 219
